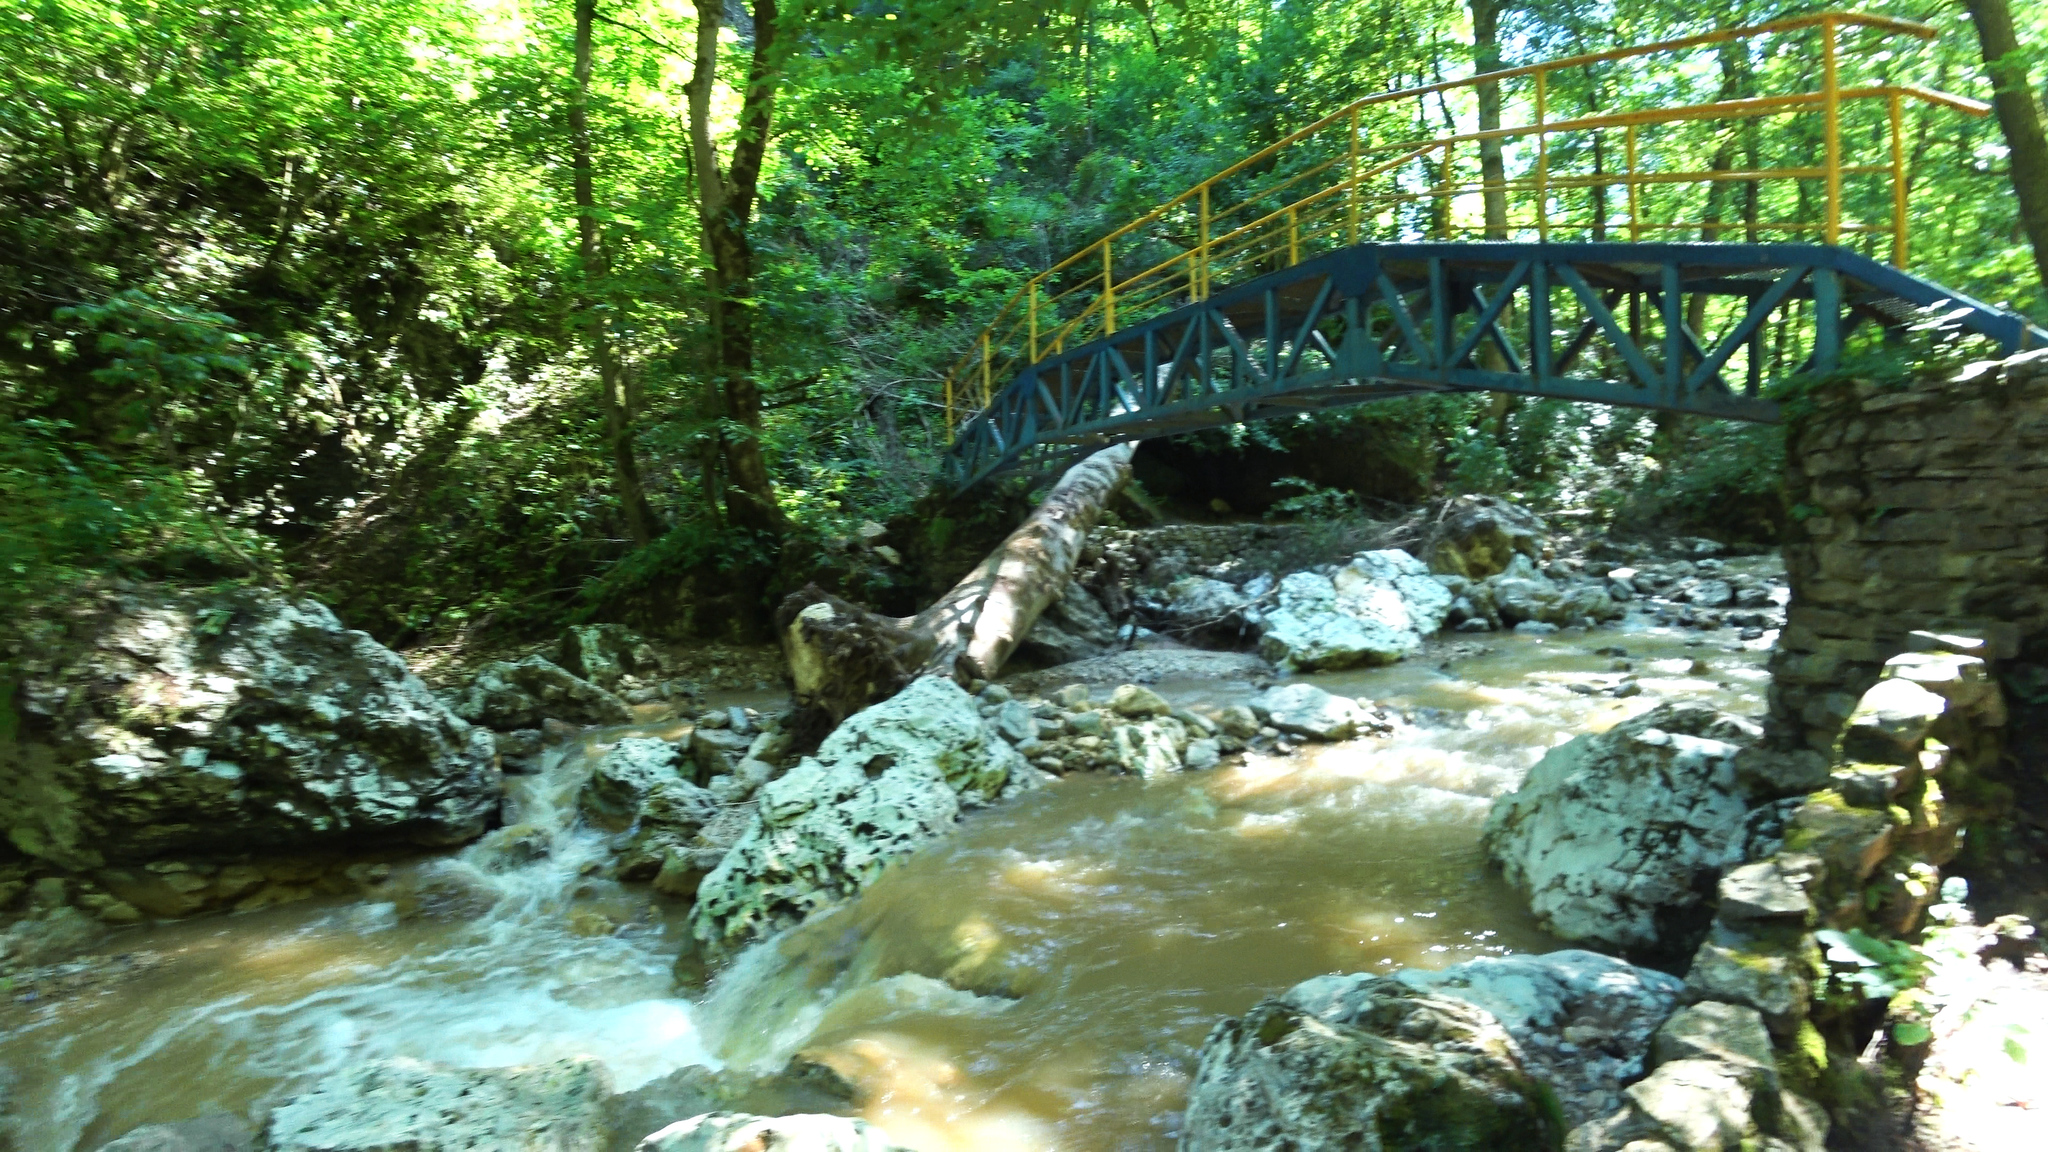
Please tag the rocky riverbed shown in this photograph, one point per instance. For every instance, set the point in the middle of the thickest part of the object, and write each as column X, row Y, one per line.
column 524, row 948
column 1001, row 915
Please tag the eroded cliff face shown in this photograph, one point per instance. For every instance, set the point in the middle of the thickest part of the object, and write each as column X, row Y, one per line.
column 151, row 722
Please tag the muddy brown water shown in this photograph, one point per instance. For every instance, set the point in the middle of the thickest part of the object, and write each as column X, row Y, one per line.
column 1041, row 980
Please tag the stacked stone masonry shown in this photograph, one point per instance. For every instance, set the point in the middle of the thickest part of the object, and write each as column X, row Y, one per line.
column 1922, row 506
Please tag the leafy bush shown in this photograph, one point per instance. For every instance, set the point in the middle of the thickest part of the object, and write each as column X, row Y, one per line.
column 67, row 509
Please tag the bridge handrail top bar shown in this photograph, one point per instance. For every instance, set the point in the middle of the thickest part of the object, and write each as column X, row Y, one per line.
column 1746, row 107
column 1790, row 24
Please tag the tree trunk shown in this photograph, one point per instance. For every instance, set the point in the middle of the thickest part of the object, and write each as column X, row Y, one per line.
column 1493, row 172
column 843, row 657
column 725, row 204
column 618, row 407
column 2020, row 118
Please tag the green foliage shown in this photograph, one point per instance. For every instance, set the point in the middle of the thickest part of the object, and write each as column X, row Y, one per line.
column 67, row 509
column 297, row 284
column 1311, row 501
column 1875, row 968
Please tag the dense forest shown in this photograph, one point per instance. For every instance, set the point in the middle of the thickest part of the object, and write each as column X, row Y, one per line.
column 488, row 315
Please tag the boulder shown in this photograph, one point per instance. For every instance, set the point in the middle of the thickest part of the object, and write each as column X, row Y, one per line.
column 1136, row 702
column 694, row 1090
column 1014, row 720
column 1712, row 1030
column 420, row 1107
column 1713, row 1087
column 520, row 750
column 1374, row 610
column 1522, row 594
column 1074, row 627
column 217, row 1133
column 624, row 776
column 1365, row 1062
column 1303, row 709
column 1200, row 610
column 1425, row 600
column 507, row 695
column 1705, row 592
column 1766, row 970
column 1890, row 723
column 888, row 779
column 717, row 751
column 156, row 721
column 740, row 1132
column 1312, row 629
column 1479, row 535
column 1582, row 1021
column 48, row 936
column 1618, row 838
column 1773, row 889
column 604, row 654
column 1149, row 748
column 665, row 835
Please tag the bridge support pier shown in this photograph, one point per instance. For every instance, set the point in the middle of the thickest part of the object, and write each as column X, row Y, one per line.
column 1917, row 508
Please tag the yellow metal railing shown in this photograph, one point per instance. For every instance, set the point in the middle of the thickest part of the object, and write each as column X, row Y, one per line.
column 1371, row 171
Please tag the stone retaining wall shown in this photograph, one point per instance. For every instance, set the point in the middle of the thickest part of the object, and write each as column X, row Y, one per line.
column 1915, row 507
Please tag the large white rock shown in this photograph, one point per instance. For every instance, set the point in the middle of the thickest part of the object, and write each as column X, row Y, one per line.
column 1374, row 610
column 508, row 696
column 890, row 778
column 740, row 1132
column 1364, row 1062
column 1302, row 709
column 412, row 1106
column 1583, row 1021
column 1149, row 748
column 1424, row 599
column 157, row 721
column 624, row 776
column 1618, row 838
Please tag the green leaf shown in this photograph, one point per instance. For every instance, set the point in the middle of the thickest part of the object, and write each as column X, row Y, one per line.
column 1911, row 1033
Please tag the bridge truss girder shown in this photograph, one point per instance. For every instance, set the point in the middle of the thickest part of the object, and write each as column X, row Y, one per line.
column 1374, row 321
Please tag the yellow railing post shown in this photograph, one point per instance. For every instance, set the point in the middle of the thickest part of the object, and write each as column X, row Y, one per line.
column 1293, row 240
column 1635, row 208
column 1542, row 162
column 1108, row 294
column 1351, row 180
column 1831, row 110
column 1443, row 197
column 1899, row 250
column 1202, row 250
column 984, row 369
column 1031, row 308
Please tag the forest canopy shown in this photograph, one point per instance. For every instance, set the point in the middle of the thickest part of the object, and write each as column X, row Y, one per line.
column 488, row 313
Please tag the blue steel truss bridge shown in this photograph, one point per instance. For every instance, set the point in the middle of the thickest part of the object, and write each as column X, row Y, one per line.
column 1349, row 263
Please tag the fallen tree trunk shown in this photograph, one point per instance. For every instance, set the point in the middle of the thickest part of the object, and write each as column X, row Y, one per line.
column 843, row 657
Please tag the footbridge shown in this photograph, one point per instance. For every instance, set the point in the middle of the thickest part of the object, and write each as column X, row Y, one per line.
column 1674, row 257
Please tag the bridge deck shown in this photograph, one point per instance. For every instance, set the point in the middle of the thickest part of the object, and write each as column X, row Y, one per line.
column 1608, row 323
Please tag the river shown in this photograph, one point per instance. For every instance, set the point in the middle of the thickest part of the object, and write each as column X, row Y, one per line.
column 1043, row 979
